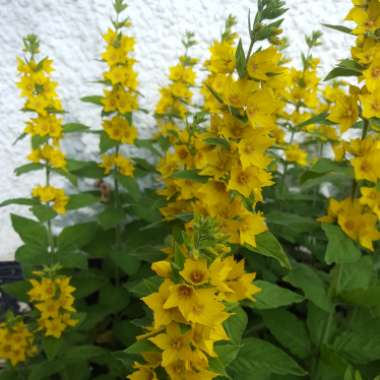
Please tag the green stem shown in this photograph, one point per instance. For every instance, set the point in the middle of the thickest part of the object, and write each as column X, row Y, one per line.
column 118, row 230
column 354, row 188
column 325, row 335
column 51, row 247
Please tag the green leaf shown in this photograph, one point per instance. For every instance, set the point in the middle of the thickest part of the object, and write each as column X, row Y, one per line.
column 113, row 298
column 76, row 259
column 30, row 231
column 273, row 296
column 352, row 374
column 89, row 169
column 125, row 331
column 316, row 323
column 190, row 175
column 43, row 213
column 18, row 290
column 111, row 217
column 76, row 236
column 106, row 143
column 290, row 226
column 318, row 119
column 52, row 346
column 85, row 352
column 87, row 282
column 131, row 185
column 19, row 201
column 37, row 141
column 340, row 248
column 218, row 141
column 289, row 331
column 129, row 264
column 45, row 369
column 339, row 28
column 94, row 99
column 236, row 324
column 268, row 245
column 77, row 201
column 361, row 343
column 325, row 170
column 362, row 297
column 259, row 355
column 28, row 168
column 240, row 60
column 74, row 128
column 142, row 346
column 354, row 276
column 31, row 255
column 307, row 279
column 146, row 286
column 225, row 354
column 19, row 138
column 8, row 374
column 345, row 68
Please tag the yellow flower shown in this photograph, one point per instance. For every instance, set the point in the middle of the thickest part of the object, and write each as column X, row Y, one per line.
column 174, row 344
column 222, row 58
column 163, row 268
column 371, row 198
column 53, row 327
column 16, row 342
column 249, row 181
column 295, row 154
column 119, row 129
column 143, row 373
column 345, row 112
column 156, row 301
column 195, row 272
column 261, row 105
column 252, row 147
column 250, row 225
column 367, row 162
column 180, row 73
column 264, row 63
column 372, row 74
column 236, row 92
column 371, row 104
column 367, row 20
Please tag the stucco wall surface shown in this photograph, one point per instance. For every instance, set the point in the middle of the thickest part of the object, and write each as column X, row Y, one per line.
column 70, row 31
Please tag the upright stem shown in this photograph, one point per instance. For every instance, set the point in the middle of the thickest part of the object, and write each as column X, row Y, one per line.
column 363, row 136
column 49, row 226
column 325, row 335
column 118, row 231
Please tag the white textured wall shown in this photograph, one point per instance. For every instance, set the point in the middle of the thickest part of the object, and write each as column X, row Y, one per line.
column 70, row 31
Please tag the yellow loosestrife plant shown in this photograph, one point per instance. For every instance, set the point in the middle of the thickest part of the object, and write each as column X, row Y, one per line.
column 251, row 251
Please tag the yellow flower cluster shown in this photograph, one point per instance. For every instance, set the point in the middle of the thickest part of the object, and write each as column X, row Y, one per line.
column 49, row 155
column 229, row 156
column 122, row 97
column 52, row 297
column 39, row 90
column 189, row 307
column 178, row 94
column 355, row 219
column 358, row 217
column 52, row 195
column 119, row 129
column 16, row 342
column 117, row 161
